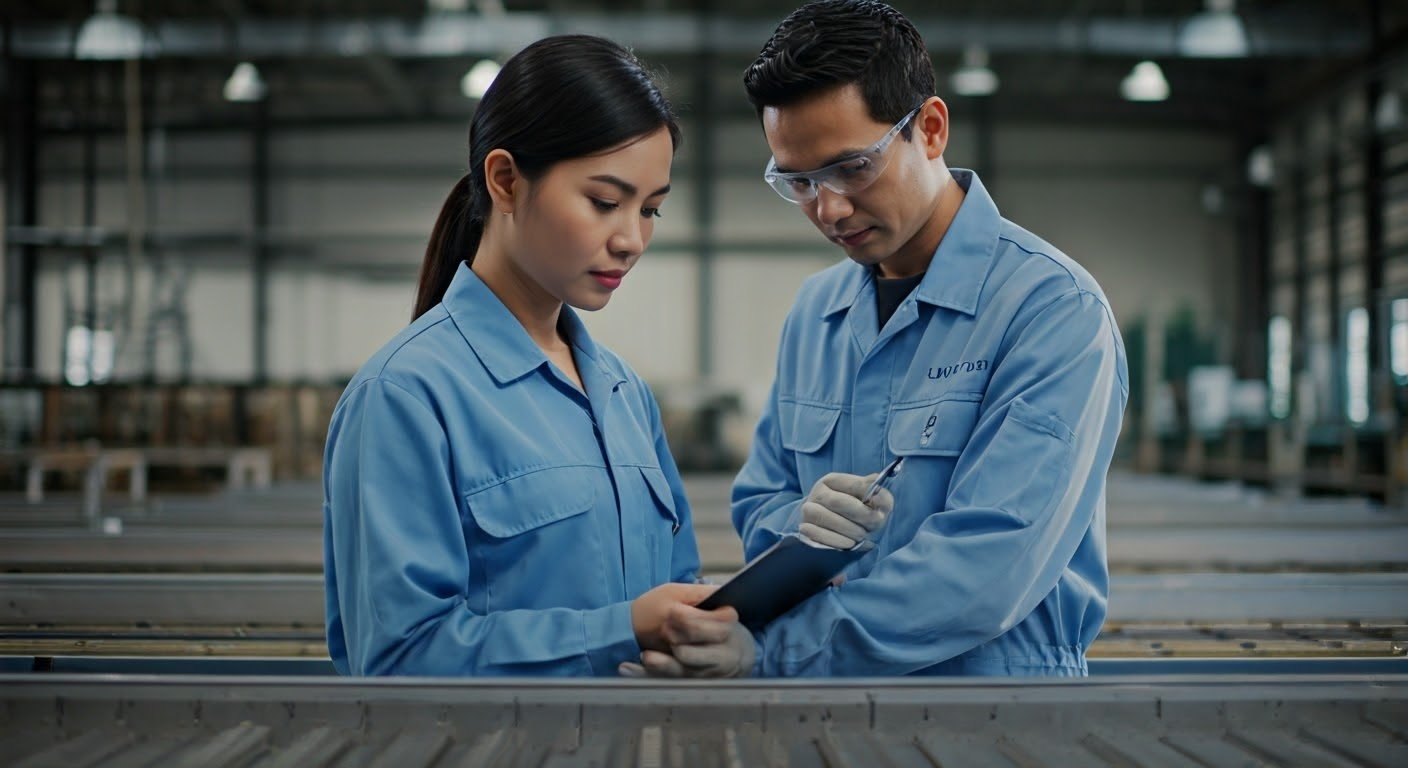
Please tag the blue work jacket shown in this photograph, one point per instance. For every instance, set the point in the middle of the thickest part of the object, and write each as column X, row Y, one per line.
column 1002, row 381
column 484, row 516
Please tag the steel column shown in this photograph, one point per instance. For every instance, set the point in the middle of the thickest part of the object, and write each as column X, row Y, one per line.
column 21, row 210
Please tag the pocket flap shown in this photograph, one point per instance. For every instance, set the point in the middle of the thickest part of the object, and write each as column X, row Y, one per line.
column 806, row 428
column 664, row 499
column 533, row 500
column 934, row 429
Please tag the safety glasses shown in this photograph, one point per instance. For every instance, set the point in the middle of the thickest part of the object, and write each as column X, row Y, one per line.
column 846, row 177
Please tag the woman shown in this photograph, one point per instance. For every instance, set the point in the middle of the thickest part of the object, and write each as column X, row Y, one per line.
column 500, row 499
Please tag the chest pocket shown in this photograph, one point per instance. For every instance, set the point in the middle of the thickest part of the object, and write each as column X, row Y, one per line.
column 661, row 531
column 533, row 500
column 805, row 427
column 664, row 500
column 939, row 428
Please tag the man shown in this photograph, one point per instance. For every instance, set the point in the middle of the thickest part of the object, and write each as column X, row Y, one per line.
column 952, row 337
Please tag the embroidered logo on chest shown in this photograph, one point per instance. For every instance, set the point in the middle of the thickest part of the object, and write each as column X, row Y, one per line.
column 945, row 371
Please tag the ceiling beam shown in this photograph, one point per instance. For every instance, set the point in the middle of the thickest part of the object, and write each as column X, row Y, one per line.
column 233, row 8
column 392, row 83
column 440, row 35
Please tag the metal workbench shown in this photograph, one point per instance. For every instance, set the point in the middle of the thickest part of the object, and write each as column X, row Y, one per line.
column 1191, row 721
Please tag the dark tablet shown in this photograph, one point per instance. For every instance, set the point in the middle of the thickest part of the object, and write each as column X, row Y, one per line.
column 789, row 572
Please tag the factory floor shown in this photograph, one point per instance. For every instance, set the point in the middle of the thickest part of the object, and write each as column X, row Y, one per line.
column 1243, row 629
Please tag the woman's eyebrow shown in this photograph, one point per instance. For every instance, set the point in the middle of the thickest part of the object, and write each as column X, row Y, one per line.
column 627, row 187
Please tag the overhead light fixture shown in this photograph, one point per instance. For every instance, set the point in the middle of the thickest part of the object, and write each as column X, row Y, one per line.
column 109, row 36
column 974, row 78
column 245, row 84
column 477, row 80
column 1145, row 83
column 1212, row 199
column 1261, row 166
column 1388, row 113
column 1216, row 33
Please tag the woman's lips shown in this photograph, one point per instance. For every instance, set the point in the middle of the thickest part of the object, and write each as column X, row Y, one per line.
column 610, row 278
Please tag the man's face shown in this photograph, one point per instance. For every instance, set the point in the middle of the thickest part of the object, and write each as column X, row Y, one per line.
column 884, row 218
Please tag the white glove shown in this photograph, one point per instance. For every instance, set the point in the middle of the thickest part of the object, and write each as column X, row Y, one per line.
column 834, row 516
column 731, row 657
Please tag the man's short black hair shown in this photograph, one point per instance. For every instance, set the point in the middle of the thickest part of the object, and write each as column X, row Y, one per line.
column 832, row 43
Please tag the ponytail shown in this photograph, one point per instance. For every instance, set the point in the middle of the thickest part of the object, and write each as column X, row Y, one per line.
column 453, row 241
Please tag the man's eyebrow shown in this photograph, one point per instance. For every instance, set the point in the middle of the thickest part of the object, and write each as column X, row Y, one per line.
column 627, row 187
column 839, row 157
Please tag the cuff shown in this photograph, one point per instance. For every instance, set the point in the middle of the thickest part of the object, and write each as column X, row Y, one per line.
column 760, row 653
column 610, row 638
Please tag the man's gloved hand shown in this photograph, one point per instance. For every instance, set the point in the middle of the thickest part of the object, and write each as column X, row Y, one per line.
column 732, row 655
column 833, row 515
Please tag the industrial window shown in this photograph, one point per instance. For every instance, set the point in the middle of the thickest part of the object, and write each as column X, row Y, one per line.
column 1356, row 365
column 1278, row 366
column 1398, row 340
column 87, row 356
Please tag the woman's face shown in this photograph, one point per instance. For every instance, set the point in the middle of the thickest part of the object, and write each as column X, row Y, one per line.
column 584, row 224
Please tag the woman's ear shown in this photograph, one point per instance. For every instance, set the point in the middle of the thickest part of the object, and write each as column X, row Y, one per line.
column 505, row 184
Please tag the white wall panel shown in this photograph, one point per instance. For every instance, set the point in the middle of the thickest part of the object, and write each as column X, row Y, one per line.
column 1148, row 243
column 748, row 210
column 220, row 316
column 1126, row 205
column 436, row 146
column 651, row 319
column 349, row 207
column 753, row 292
column 49, row 324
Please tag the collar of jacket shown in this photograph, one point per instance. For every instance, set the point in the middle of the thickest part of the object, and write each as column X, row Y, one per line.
column 960, row 264
column 500, row 341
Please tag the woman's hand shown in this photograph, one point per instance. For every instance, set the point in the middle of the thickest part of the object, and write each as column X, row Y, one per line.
column 652, row 611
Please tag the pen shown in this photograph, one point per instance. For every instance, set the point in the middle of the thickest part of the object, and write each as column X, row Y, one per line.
column 886, row 475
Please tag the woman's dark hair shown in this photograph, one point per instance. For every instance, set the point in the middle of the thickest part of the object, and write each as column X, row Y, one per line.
column 560, row 98
column 831, row 43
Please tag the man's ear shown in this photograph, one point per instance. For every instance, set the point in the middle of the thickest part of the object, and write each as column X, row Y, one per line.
column 932, row 122
column 504, row 182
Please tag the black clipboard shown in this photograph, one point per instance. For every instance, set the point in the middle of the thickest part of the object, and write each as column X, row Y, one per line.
column 776, row 581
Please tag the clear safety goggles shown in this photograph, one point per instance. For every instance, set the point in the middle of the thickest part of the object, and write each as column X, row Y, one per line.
column 846, row 177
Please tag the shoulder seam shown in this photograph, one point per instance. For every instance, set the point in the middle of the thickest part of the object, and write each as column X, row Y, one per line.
column 1079, row 290
column 1081, row 293
column 405, row 341
column 1069, row 274
column 379, row 379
